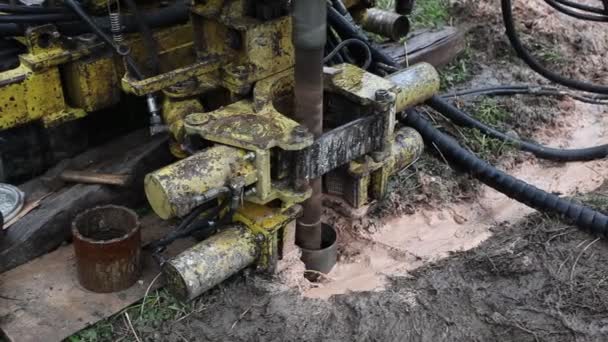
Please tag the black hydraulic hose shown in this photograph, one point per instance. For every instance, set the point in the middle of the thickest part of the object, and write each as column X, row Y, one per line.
column 463, row 119
column 530, row 89
column 583, row 216
column 20, row 9
column 368, row 54
column 133, row 67
column 36, row 18
column 148, row 38
column 174, row 14
column 347, row 30
column 507, row 14
column 583, row 7
column 329, row 47
column 576, row 14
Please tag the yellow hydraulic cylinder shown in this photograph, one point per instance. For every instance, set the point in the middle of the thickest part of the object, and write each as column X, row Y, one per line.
column 212, row 261
column 175, row 190
column 416, row 84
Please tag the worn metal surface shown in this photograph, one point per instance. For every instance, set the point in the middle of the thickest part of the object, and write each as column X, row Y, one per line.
column 324, row 259
column 11, row 201
column 267, row 223
column 212, row 261
column 309, row 36
column 415, row 85
column 238, row 124
column 406, row 149
column 385, row 23
column 175, row 190
column 107, row 245
column 340, row 146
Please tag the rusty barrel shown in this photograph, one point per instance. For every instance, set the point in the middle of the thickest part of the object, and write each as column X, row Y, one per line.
column 107, row 243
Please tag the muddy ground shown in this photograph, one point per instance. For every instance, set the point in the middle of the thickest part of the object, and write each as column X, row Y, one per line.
column 537, row 280
column 444, row 258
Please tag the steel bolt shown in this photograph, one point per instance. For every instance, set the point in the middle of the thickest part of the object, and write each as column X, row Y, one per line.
column 299, row 133
column 383, row 95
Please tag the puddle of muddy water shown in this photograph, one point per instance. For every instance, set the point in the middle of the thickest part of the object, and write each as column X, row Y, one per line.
column 405, row 243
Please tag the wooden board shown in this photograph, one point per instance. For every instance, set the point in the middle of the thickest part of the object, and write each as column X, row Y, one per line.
column 437, row 47
column 48, row 225
column 42, row 300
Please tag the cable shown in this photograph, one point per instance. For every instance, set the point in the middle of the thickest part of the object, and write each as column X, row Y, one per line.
column 583, row 7
column 462, row 119
column 174, row 14
column 534, row 64
column 537, row 90
column 36, row 18
column 20, row 9
column 133, row 67
column 148, row 38
column 352, row 41
column 583, row 216
column 576, row 14
column 347, row 30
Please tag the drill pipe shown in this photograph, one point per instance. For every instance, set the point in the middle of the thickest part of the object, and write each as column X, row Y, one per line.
column 310, row 33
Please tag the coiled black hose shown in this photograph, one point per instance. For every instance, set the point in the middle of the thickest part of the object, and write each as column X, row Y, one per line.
column 507, row 15
column 576, row 14
column 463, row 119
column 347, row 30
column 583, row 216
column 368, row 54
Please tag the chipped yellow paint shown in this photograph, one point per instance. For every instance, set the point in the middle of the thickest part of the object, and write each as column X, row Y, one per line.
column 173, row 190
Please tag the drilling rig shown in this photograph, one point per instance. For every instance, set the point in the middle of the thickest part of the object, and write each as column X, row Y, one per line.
column 267, row 105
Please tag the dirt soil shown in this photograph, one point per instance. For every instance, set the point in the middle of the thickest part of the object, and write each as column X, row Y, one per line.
column 537, row 280
column 444, row 258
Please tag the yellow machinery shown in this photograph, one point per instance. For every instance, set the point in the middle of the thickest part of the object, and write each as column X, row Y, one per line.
column 224, row 83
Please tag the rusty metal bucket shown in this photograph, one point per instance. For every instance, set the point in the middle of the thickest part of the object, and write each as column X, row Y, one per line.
column 107, row 243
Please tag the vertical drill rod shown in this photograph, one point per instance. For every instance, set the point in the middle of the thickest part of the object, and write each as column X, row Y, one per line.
column 310, row 32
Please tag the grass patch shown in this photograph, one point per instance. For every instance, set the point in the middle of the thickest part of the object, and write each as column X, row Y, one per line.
column 494, row 114
column 158, row 308
column 458, row 71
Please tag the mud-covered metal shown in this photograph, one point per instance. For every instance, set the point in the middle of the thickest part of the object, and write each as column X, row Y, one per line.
column 406, row 149
column 212, row 261
column 267, row 223
column 107, row 244
column 175, row 190
column 412, row 85
column 340, row 146
column 323, row 259
column 415, row 85
column 238, row 124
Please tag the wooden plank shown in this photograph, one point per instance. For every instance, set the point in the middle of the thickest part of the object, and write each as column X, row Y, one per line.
column 437, row 47
column 42, row 300
column 48, row 226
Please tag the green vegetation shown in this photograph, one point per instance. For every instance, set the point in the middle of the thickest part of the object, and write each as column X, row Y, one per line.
column 147, row 315
column 492, row 113
column 458, row 71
